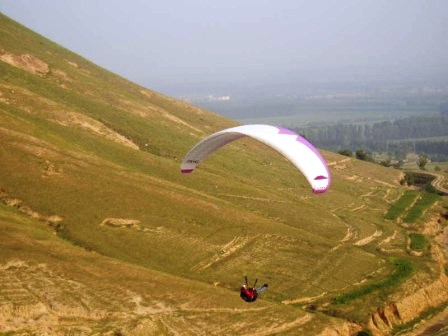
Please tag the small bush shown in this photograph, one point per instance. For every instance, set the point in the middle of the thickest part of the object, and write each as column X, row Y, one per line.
column 360, row 154
column 386, row 163
column 346, row 152
column 418, row 179
column 364, row 333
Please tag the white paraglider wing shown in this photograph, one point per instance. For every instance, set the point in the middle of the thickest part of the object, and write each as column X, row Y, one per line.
column 295, row 148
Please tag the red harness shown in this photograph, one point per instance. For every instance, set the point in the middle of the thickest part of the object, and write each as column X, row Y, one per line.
column 248, row 294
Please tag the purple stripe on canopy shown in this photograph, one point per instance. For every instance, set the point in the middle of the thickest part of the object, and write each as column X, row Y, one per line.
column 301, row 140
column 285, row 131
column 304, row 141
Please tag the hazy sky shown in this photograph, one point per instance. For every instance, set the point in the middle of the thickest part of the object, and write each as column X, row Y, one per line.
column 174, row 41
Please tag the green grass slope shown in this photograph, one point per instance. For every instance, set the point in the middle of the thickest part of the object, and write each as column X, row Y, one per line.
column 93, row 204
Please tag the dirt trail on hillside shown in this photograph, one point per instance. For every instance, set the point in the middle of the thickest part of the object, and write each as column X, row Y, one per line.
column 386, row 196
column 387, row 241
column 305, row 299
column 439, row 183
column 369, row 194
column 282, row 327
column 236, row 244
column 53, row 220
column 261, row 199
column 26, row 62
column 350, row 234
column 338, row 164
column 358, row 208
column 369, row 239
column 122, row 223
column 387, row 184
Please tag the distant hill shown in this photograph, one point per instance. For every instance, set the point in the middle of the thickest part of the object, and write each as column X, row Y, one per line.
column 101, row 234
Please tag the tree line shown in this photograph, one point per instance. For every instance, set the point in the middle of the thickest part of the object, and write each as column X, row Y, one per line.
column 397, row 138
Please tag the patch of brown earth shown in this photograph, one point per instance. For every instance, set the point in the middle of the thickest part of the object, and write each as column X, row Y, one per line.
column 60, row 75
column 73, row 64
column 148, row 109
column 52, row 170
column 26, row 62
column 33, row 103
column 69, row 118
column 53, row 220
column 121, row 223
column 410, row 307
column 434, row 226
column 36, row 297
column 341, row 329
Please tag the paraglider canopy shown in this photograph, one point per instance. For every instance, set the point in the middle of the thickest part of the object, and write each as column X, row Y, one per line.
column 299, row 151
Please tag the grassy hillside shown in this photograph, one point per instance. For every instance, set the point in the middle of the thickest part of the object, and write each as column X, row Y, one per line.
column 93, row 206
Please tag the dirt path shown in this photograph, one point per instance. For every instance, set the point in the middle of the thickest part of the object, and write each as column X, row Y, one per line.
column 350, row 234
column 53, row 220
column 261, row 199
column 304, row 299
column 369, row 239
column 284, row 327
column 369, row 194
column 386, row 196
column 387, row 240
column 221, row 310
column 237, row 243
column 384, row 183
column 358, row 208
column 336, row 163
column 439, row 183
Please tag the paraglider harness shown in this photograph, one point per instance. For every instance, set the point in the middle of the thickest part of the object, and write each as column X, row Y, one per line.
column 249, row 294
